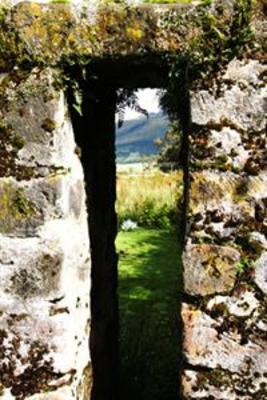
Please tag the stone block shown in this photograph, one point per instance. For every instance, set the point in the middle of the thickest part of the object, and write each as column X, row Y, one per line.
column 240, row 105
column 220, row 385
column 25, row 206
column 45, row 314
column 35, row 112
column 261, row 272
column 209, row 269
column 224, row 206
column 29, row 269
column 205, row 345
column 225, row 190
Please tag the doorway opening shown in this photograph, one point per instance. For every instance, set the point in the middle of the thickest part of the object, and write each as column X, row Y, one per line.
column 113, row 357
column 149, row 192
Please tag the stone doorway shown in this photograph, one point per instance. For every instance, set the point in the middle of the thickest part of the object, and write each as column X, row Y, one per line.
column 94, row 130
column 44, row 237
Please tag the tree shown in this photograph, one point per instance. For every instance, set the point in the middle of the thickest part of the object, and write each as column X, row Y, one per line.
column 128, row 98
column 169, row 146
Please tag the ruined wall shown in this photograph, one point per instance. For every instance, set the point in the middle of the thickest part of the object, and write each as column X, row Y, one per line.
column 44, row 260
column 44, row 249
column 225, row 260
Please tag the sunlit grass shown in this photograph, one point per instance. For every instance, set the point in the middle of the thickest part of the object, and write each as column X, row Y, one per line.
column 149, row 284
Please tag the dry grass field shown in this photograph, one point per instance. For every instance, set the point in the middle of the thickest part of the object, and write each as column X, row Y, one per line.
column 149, row 198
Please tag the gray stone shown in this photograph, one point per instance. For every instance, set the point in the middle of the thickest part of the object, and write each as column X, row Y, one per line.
column 44, row 247
column 258, row 241
column 220, row 385
column 245, row 71
column 38, row 113
column 239, row 107
column 243, row 305
column 261, row 272
column 26, row 206
column 203, row 346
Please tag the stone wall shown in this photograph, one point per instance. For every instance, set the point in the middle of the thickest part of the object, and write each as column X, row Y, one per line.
column 225, row 260
column 44, row 249
column 44, row 246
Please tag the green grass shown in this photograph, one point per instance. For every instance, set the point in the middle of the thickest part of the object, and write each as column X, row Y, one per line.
column 149, row 283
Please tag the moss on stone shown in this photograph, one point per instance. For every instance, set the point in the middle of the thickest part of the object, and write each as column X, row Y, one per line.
column 53, row 35
column 10, row 144
column 15, row 207
column 49, row 125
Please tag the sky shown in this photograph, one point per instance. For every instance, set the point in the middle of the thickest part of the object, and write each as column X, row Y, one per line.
column 148, row 100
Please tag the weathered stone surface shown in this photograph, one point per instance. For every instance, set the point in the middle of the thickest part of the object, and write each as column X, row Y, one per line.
column 44, row 261
column 230, row 120
column 237, row 107
column 225, row 335
column 26, row 206
column 232, row 107
column 206, row 345
column 226, row 191
column 36, row 114
column 209, row 269
column 228, row 145
column 95, row 29
column 44, row 321
column 57, row 33
column 220, row 385
column 246, row 72
column 37, row 273
column 224, row 206
column 261, row 272
column 241, row 305
column 44, row 246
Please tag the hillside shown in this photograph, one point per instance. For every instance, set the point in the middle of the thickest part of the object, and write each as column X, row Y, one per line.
column 135, row 139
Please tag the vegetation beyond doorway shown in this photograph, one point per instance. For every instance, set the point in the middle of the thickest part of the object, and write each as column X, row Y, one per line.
column 149, row 251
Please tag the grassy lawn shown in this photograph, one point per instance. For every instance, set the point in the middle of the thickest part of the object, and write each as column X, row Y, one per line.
column 149, row 275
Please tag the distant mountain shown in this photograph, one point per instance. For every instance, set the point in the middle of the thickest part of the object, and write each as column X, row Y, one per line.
column 135, row 139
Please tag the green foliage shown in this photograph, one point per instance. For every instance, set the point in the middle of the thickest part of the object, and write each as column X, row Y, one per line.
column 60, row 1
column 170, row 146
column 243, row 265
column 216, row 40
column 220, row 41
column 21, row 205
column 213, row 37
column 149, row 214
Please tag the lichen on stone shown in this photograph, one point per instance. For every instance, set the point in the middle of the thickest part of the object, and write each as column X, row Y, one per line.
column 15, row 207
column 51, row 34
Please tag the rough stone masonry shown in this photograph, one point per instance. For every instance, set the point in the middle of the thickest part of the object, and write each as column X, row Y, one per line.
column 44, row 245
column 225, row 259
